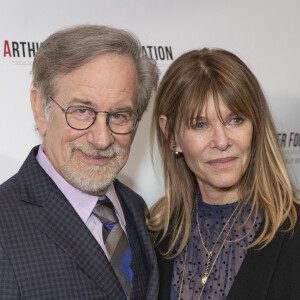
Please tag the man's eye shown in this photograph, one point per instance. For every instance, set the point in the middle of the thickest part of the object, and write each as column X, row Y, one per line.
column 117, row 116
column 82, row 111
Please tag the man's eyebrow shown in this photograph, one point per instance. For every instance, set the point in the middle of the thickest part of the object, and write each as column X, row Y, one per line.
column 123, row 108
column 118, row 107
column 75, row 101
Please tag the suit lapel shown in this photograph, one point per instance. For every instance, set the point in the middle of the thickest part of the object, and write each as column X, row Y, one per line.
column 165, row 268
column 256, row 272
column 60, row 223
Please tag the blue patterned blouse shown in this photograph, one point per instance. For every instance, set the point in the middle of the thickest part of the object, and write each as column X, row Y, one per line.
column 212, row 219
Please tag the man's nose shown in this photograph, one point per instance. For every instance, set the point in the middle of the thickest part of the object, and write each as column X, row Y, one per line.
column 99, row 133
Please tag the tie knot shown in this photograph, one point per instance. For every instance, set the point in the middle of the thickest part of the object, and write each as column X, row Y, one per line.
column 104, row 210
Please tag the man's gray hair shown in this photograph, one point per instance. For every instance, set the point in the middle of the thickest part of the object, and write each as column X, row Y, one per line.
column 71, row 48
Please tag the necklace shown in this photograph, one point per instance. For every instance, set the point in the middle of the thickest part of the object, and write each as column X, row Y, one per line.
column 209, row 253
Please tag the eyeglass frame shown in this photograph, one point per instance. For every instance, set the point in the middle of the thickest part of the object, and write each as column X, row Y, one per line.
column 108, row 115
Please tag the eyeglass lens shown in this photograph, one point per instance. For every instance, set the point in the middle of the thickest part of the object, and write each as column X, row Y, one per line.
column 82, row 117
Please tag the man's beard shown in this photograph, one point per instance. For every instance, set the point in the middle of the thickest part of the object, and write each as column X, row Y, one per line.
column 93, row 179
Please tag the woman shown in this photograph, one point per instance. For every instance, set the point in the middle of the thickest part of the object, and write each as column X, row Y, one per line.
column 227, row 226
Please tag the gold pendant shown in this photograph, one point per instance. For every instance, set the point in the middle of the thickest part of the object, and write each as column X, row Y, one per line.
column 204, row 279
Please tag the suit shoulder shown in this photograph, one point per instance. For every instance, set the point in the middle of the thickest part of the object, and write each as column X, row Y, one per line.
column 9, row 188
column 11, row 206
column 12, row 185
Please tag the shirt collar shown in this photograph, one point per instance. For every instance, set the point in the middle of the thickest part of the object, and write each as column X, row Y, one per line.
column 82, row 202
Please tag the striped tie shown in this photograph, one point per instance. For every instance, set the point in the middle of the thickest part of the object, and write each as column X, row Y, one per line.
column 115, row 242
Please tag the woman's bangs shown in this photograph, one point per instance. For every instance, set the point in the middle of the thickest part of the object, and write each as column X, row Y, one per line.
column 191, row 107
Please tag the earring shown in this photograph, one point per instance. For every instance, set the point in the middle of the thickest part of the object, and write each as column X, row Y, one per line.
column 176, row 154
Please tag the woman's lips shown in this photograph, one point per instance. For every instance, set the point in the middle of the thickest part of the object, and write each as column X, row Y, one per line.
column 222, row 163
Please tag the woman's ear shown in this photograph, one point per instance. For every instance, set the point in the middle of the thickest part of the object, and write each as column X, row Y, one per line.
column 163, row 125
column 163, row 120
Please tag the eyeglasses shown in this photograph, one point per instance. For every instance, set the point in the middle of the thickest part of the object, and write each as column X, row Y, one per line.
column 82, row 117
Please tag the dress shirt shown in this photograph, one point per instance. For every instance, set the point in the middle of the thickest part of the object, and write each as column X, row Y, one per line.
column 82, row 202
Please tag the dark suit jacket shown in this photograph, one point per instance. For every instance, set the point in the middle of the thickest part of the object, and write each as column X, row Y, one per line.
column 272, row 273
column 47, row 252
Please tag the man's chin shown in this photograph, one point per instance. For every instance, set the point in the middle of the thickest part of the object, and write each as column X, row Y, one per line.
column 96, row 190
column 91, row 179
column 92, row 185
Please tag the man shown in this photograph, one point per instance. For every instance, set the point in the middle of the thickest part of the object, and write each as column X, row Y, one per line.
column 68, row 229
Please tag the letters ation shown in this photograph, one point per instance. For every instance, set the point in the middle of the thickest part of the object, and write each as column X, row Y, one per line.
column 158, row 53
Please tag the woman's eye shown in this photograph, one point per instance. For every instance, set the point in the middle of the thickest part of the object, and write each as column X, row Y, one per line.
column 236, row 120
column 200, row 125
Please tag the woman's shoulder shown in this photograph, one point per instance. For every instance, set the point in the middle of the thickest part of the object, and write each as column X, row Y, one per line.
column 292, row 235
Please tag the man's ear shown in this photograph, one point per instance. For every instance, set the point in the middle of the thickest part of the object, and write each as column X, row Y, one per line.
column 38, row 111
